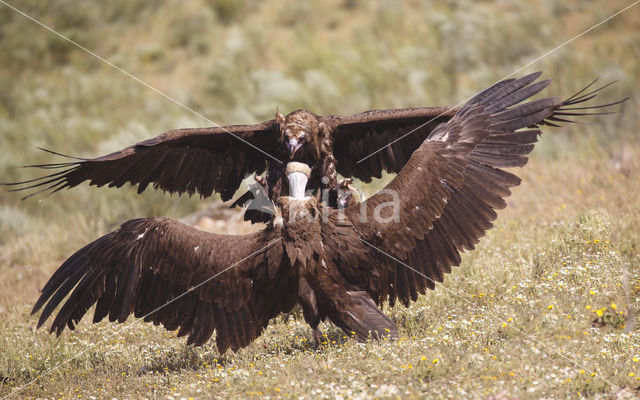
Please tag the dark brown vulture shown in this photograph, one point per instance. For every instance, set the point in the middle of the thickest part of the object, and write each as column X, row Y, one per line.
column 338, row 264
column 217, row 159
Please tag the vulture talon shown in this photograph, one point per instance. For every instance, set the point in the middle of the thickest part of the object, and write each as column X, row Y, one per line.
column 262, row 181
column 345, row 183
column 317, row 337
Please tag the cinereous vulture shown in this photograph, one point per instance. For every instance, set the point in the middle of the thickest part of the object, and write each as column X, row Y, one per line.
column 217, row 159
column 338, row 264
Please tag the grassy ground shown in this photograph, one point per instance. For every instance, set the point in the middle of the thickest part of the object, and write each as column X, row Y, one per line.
column 545, row 306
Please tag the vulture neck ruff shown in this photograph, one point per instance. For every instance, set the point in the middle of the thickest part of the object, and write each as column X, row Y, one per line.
column 298, row 175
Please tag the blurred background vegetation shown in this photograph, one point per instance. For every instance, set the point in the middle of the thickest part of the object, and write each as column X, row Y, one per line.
column 235, row 61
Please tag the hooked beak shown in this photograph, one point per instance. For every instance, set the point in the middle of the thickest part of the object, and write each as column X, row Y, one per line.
column 293, row 145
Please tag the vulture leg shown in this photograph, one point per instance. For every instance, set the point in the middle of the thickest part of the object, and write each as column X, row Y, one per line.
column 317, row 337
column 262, row 181
column 307, row 299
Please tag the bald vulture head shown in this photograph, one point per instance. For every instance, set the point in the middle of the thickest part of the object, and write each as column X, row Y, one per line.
column 298, row 175
column 297, row 208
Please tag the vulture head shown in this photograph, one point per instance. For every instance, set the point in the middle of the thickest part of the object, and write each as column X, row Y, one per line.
column 300, row 133
column 298, row 175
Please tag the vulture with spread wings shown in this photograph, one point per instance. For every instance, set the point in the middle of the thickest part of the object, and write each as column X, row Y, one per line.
column 217, row 159
column 338, row 264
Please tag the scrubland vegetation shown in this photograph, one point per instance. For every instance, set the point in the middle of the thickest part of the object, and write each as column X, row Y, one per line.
column 546, row 305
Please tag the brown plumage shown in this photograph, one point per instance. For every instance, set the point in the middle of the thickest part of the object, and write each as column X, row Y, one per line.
column 337, row 263
column 217, row 159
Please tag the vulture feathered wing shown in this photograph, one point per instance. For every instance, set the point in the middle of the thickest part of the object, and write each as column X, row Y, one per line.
column 368, row 143
column 194, row 160
column 147, row 268
column 445, row 197
column 357, row 136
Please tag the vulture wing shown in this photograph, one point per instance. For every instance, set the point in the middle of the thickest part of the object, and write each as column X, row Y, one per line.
column 367, row 143
column 357, row 136
column 203, row 160
column 445, row 198
column 169, row 273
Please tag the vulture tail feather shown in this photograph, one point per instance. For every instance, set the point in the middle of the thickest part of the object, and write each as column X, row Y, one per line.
column 360, row 315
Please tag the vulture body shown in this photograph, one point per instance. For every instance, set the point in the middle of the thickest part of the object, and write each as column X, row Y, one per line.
column 338, row 264
column 217, row 159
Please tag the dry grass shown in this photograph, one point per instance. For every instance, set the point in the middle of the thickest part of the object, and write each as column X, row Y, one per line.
column 545, row 306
